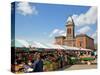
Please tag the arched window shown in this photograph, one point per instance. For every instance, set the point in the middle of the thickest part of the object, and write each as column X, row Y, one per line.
column 69, row 30
column 80, row 43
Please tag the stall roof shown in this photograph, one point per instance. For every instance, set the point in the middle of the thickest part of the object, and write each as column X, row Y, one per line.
column 27, row 44
column 19, row 43
column 55, row 46
column 38, row 45
column 85, row 49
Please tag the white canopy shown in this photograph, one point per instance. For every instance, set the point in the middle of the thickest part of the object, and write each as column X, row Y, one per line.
column 19, row 43
column 38, row 45
column 23, row 43
column 83, row 49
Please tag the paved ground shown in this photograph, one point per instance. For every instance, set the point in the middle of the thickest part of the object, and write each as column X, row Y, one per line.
column 78, row 67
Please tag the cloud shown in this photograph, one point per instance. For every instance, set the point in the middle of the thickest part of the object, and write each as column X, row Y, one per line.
column 94, row 35
column 88, row 18
column 61, row 31
column 25, row 8
column 84, row 30
column 63, row 34
column 54, row 32
column 57, row 32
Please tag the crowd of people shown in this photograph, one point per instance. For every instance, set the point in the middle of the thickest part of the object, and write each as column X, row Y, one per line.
column 39, row 61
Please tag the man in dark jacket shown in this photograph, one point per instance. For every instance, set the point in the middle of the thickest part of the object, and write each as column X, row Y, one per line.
column 38, row 64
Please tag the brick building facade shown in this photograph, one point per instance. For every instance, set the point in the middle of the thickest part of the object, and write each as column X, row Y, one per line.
column 81, row 40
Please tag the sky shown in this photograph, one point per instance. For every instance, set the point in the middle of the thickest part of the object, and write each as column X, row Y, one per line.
column 42, row 22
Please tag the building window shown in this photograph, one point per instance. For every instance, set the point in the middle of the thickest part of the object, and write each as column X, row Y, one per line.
column 80, row 43
column 69, row 30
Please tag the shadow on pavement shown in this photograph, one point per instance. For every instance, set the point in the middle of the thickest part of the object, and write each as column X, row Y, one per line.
column 64, row 68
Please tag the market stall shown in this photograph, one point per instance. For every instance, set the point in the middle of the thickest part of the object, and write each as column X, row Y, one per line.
column 54, row 57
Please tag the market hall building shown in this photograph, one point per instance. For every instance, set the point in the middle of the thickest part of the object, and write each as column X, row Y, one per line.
column 80, row 41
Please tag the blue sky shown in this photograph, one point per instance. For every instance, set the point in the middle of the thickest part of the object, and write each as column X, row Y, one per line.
column 42, row 22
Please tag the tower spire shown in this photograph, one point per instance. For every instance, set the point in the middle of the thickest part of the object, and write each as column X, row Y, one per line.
column 70, row 33
column 70, row 21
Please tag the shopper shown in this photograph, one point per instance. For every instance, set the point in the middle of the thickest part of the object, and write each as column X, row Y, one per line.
column 38, row 63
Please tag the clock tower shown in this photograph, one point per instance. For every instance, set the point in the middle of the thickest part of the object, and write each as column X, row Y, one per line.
column 70, row 32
